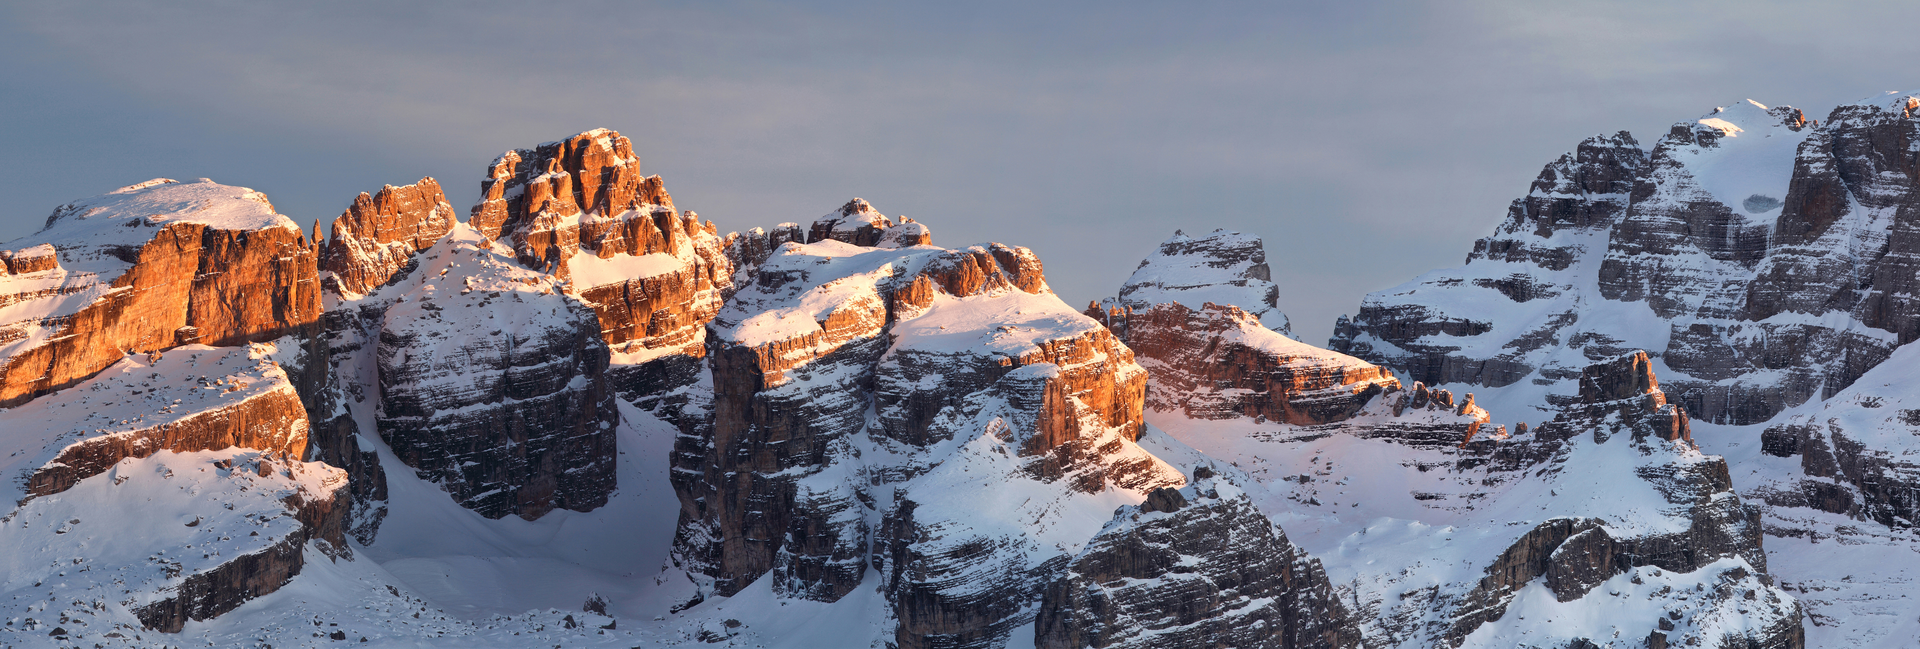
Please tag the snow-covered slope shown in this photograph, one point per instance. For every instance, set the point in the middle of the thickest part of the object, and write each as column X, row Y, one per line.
column 839, row 434
column 1542, row 538
column 1757, row 255
column 1221, row 267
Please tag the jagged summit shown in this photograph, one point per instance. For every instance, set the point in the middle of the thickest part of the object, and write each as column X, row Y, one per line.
column 379, row 233
column 859, row 224
column 1222, row 267
column 834, row 433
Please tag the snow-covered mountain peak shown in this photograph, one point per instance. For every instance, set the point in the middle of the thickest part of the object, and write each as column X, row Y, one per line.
column 858, row 223
column 1221, row 267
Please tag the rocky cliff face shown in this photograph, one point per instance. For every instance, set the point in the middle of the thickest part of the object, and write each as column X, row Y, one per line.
column 1708, row 528
column 1608, row 499
column 1220, row 363
column 857, row 388
column 1197, row 566
column 1212, row 358
column 145, row 268
column 493, row 383
column 373, row 244
column 214, row 434
column 580, row 210
column 380, row 233
column 1854, row 451
column 1751, row 250
column 1222, row 267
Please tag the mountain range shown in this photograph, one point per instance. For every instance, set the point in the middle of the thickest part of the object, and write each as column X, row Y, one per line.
column 1663, row 404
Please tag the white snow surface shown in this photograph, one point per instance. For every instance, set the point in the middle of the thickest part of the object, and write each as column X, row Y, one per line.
column 1196, row 270
column 136, row 395
column 590, row 270
column 83, row 230
column 85, row 558
column 1399, row 530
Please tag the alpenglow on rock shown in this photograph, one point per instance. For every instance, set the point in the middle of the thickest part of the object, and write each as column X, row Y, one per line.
column 580, row 210
column 145, row 268
column 1193, row 312
column 1748, row 306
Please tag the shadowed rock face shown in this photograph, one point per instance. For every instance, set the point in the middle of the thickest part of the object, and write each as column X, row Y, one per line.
column 1202, row 571
column 493, row 384
column 1777, row 252
column 1574, row 555
column 144, row 269
column 206, row 594
column 1856, row 451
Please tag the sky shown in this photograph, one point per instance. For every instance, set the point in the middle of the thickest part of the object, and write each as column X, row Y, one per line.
column 1366, row 142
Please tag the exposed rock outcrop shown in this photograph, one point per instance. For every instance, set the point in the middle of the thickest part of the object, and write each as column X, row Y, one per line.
column 1708, row 527
column 580, row 210
column 1219, row 362
column 1855, row 451
column 973, row 370
column 1222, row 267
column 493, row 383
column 1193, row 567
column 1729, row 222
column 380, row 233
column 146, row 268
column 194, row 398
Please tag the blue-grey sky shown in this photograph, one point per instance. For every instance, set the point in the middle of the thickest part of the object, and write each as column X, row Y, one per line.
column 1366, row 142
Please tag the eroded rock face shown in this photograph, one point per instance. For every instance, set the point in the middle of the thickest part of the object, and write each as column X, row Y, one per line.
column 1854, row 451
column 1222, row 267
column 1761, row 251
column 580, row 210
column 192, row 398
column 1715, row 531
column 974, row 370
column 1193, row 567
column 861, row 225
column 146, row 268
column 380, row 233
column 493, row 383
column 1220, row 362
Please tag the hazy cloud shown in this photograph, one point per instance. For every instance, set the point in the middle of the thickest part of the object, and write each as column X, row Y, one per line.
column 1366, row 142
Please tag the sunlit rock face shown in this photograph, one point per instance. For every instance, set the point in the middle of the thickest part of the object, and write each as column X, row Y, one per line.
column 1200, row 312
column 1759, row 256
column 379, row 234
column 579, row 210
column 145, row 268
column 855, row 383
